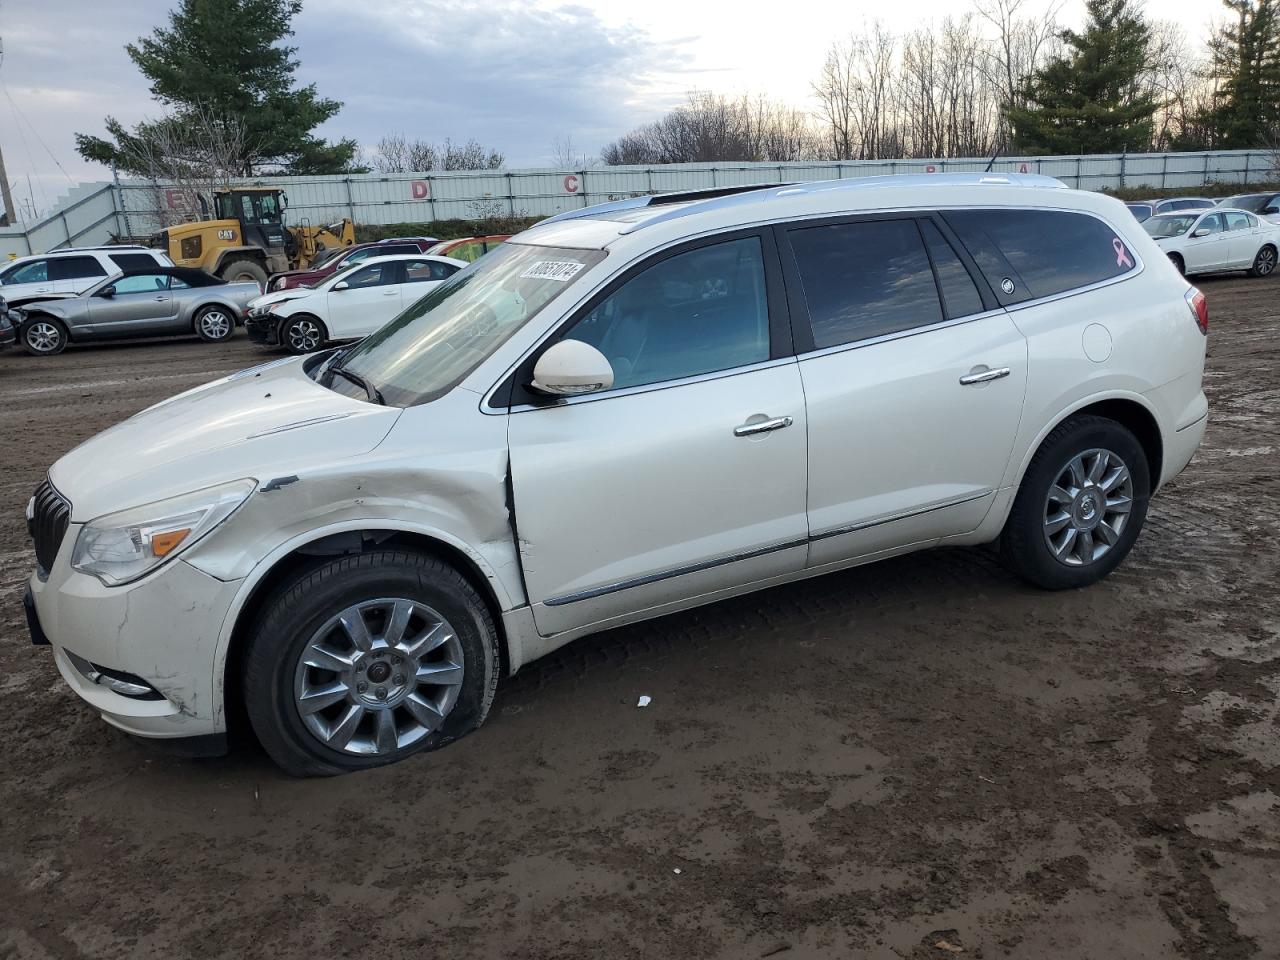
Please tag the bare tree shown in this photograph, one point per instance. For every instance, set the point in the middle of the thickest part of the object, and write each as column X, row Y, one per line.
column 1022, row 45
column 565, row 155
column 398, row 154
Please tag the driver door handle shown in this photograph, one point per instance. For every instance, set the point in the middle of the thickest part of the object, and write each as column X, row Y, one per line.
column 983, row 376
column 764, row 426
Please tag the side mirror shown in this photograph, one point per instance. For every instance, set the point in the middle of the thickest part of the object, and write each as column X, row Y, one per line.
column 571, row 368
column 1202, row 232
column 107, row 292
column 1272, row 209
column 340, row 285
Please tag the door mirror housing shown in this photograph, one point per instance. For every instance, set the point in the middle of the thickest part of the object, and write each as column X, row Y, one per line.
column 1272, row 208
column 1202, row 232
column 107, row 292
column 571, row 368
column 340, row 285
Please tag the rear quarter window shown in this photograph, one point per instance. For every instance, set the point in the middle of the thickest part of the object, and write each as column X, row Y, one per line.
column 133, row 261
column 77, row 268
column 1027, row 254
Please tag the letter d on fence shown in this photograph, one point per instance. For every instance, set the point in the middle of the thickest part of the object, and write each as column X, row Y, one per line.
column 420, row 189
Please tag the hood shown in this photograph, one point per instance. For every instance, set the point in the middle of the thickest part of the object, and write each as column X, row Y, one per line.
column 266, row 422
column 293, row 293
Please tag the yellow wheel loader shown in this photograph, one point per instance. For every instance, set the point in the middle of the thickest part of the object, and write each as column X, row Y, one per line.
column 247, row 238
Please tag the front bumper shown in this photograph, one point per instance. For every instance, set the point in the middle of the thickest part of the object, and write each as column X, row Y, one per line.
column 9, row 321
column 162, row 629
column 264, row 330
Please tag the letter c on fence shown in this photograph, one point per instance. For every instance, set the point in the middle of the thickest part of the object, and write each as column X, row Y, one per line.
column 571, row 183
column 421, row 190
column 930, row 168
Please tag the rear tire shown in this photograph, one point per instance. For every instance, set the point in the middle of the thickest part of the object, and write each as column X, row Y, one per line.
column 396, row 648
column 1080, row 507
column 1178, row 262
column 303, row 333
column 214, row 324
column 43, row 336
column 244, row 271
column 1264, row 264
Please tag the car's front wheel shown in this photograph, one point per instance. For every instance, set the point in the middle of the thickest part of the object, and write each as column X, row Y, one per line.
column 367, row 659
column 1080, row 507
column 44, row 336
column 303, row 334
column 1264, row 264
column 214, row 324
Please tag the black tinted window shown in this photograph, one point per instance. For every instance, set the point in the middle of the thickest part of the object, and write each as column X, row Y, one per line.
column 864, row 280
column 388, row 249
column 1037, row 253
column 697, row 312
column 75, row 268
column 132, row 261
column 960, row 295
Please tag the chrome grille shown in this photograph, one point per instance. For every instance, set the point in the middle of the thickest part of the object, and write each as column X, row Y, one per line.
column 50, row 516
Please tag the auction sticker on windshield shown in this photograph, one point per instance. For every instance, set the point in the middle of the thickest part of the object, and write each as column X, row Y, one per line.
column 561, row 270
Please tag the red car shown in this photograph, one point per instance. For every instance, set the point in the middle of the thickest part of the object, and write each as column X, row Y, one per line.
column 345, row 257
column 468, row 248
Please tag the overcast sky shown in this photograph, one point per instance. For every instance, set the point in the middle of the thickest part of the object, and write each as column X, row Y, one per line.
column 513, row 75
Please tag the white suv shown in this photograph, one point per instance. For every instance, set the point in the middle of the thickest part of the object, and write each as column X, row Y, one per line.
column 625, row 411
column 71, row 271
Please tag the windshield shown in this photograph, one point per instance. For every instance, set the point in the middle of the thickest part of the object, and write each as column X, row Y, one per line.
column 1169, row 225
column 1139, row 210
column 430, row 347
column 1254, row 203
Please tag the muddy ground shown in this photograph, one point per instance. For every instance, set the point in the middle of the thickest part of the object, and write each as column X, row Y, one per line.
column 923, row 758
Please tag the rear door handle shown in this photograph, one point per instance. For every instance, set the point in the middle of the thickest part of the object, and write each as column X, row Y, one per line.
column 984, row 376
column 161, row 299
column 764, row 426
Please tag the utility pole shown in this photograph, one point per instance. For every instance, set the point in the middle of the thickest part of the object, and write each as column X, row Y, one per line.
column 10, row 215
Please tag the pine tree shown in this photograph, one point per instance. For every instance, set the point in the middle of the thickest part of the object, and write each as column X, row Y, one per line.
column 1246, row 65
column 1089, row 100
column 225, row 59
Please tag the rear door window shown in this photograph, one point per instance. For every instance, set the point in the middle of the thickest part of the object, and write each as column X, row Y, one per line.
column 77, row 268
column 865, row 279
column 1238, row 221
column 1027, row 254
column 132, row 261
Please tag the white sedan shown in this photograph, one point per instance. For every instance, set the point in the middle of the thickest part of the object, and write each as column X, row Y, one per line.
column 1216, row 240
column 351, row 303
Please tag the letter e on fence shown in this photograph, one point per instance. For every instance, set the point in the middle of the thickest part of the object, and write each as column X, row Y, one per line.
column 571, row 183
column 420, row 190
column 173, row 199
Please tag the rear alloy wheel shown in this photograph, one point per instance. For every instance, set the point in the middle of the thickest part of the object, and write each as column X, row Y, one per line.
column 1080, row 506
column 1264, row 263
column 214, row 324
column 44, row 337
column 364, row 660
column 303, row 334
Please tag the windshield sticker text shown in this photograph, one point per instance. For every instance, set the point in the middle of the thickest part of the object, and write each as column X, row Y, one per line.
column 561, row 270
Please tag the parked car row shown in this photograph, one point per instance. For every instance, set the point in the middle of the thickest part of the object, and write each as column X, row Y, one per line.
column 1216, row 240
column 103, row 293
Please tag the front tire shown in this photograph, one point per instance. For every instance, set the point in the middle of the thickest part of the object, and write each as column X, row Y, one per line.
column 367, row 659
column 303, row 334
column 214, row 324
column 1264, row 264
column 44, row 336
column 1080, row 507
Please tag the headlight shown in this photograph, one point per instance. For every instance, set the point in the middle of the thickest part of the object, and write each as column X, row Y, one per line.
column 121, row 547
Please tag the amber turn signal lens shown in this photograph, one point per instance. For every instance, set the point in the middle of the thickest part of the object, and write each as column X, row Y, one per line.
column 163, row 544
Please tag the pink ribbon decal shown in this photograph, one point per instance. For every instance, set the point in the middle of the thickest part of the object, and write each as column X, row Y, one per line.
column 1122, row 255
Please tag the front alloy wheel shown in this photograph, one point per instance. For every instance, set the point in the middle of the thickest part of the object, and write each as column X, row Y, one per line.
column 303, row 335
column 214, row 325
column 44, row 338
column 379, row 676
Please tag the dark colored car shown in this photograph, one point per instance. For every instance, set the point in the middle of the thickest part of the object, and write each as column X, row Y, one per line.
column 352, row 254
column 1264, row 205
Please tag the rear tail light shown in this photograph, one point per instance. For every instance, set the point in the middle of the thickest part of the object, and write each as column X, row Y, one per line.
column 1199, row 305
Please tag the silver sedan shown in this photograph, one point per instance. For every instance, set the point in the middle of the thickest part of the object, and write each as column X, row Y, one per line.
column 161, row 302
